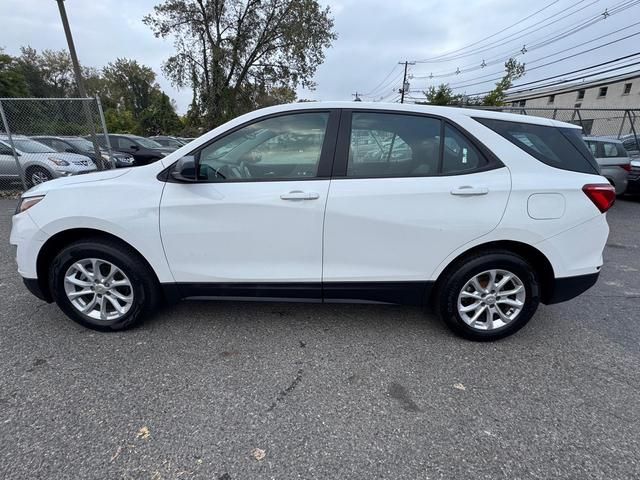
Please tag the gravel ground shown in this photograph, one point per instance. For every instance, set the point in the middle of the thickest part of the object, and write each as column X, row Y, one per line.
column 241, row 391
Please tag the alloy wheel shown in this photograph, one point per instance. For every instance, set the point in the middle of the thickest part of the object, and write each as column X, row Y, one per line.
column 98, row 289
column 491, row 299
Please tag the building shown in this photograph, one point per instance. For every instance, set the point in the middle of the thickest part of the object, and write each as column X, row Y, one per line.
column 619, row 92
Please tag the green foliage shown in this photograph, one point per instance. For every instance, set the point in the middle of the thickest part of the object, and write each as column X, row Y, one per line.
column 235, row 54
column 442, row 95
column 160, row 117
column 513, row 71
column 12, row 81
column 133, row 101
column 120, row 121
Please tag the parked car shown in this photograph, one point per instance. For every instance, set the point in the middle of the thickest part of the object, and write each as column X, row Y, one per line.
column 166, row 141
column 509, row 214
column 143, row 150
column 39, row 162
column 631, row 144
column 634, row 177
column 613, row 160
column 83, row 146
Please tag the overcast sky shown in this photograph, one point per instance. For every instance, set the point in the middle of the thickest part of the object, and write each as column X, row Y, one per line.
column 373, row 36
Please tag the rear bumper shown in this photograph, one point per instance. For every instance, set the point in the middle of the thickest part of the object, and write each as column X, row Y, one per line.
column 570, row 287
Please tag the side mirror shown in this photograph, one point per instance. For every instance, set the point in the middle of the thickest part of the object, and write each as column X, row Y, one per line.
column 184, row 170
column 135, row 147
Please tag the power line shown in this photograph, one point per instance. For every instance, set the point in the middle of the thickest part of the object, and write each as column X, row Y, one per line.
column 382, row 82
column 507, row 39
column 456, row 84
column 619, row 67
column 497, row 33
column 459, row 86
column 561, row 34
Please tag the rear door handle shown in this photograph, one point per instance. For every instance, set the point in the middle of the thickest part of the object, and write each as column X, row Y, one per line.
column 469, row 191
column 300, row 195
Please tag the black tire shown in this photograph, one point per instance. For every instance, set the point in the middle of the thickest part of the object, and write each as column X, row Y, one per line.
column 38, row 170
column 145, row 285
column 455, row 278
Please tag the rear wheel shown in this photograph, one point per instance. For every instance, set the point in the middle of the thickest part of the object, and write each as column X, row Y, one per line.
column 488, row 296
column 103, row 285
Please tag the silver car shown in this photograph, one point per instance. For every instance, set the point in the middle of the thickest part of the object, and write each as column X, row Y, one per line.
column 39, row 162
column 613, row 159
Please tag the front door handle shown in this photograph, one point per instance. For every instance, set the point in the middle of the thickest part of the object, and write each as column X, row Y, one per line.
column 300, row 195
column 469, row 191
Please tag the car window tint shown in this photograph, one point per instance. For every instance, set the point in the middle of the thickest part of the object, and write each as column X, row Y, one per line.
column 283, row 147
column 613, row 150
column 561, row 148
column 125, row 143
column 5, row 149
column 459, row 154
column 393, row 145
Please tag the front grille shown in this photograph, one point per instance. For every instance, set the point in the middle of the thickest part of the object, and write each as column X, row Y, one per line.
column 82, row 163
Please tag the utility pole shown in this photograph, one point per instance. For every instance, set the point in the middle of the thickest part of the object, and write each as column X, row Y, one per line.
column 80, row 84
column 405, row 84
column 357, row 95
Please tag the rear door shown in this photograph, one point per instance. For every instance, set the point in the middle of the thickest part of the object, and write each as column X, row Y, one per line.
column 407, row 191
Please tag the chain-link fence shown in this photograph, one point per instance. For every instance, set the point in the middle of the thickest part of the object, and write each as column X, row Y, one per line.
column 46, row 138
column 613, row 123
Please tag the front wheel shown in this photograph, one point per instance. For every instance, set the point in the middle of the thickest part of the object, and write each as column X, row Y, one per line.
column 103, row 285
column 488, row 296
column 38, row 175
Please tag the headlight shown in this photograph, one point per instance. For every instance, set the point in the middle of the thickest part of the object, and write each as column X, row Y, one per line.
column 58, row 161
column 26, row 203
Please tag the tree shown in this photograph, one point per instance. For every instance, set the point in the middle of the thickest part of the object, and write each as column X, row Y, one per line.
column 160, row 117
column 130, row 85
column 513, row 71
column 443, row 95
column 223, row 49
column 120, row 121
column 12, row 82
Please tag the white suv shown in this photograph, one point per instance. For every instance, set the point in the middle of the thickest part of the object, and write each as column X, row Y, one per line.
column 482, row 214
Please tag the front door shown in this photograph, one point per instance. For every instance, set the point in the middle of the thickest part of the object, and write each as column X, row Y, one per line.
column 408, row 190
column 251, row 224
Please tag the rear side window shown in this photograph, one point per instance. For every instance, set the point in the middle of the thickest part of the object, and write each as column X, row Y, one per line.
column 557, row 147
column 611, row 149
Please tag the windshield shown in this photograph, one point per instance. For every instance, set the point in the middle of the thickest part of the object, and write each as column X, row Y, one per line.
column 146, row 142
column 81, row 144
column 31, row 146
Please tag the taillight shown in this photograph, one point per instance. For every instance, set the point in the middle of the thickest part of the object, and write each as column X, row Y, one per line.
column 626, row 166
column 601, row 194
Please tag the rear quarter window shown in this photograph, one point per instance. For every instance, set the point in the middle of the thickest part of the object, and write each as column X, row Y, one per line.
column 557, row 147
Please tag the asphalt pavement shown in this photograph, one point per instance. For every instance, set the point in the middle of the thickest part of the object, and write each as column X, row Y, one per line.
column 229, row 391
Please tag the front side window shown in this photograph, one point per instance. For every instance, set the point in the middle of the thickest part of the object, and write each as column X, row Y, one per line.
column 393, row 145
column 125, row 143
column 283, row 147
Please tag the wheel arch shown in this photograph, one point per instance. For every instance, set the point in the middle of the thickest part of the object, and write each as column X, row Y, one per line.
column 63, row 238
column 535, row 257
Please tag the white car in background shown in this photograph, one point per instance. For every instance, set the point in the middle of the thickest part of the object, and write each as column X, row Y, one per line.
column 482, row 214
column 39, row 163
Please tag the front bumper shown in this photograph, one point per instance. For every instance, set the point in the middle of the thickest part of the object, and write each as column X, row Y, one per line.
column 33, row 285
column 570, row 287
